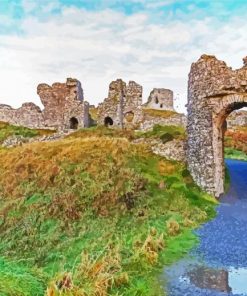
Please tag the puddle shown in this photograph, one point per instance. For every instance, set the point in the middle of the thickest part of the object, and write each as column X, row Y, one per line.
column 232, row 280
column 218, row 265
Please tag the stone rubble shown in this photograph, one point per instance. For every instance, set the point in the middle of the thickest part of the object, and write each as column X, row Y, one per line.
column 14, row 141
column 172, row 150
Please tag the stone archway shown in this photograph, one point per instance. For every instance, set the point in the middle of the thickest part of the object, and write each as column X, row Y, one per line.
column 108, row 121
column 214, row 91
column 73, row 123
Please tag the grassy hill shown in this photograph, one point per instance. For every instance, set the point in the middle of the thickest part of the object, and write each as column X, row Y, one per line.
column 93, row 214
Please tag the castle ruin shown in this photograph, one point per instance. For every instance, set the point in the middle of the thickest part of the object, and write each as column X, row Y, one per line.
column 214, row 91
column 122, row 107
column 160, row 99
column 64, row 108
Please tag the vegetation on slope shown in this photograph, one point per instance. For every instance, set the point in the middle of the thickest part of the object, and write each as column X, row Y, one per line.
column 93, row 214
column 159, row 113
column 165, row 133
column 235, row 154
column 7, row 130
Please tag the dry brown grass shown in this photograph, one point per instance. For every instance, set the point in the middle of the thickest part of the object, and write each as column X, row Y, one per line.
column 57, row 168
column 159, row 113
column 92, row 277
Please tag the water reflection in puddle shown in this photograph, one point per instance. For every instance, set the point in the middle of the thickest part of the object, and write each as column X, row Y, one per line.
column 238, row 280
column 232, row 280
column 190, row 277
column 218, row 265
column 208, row 278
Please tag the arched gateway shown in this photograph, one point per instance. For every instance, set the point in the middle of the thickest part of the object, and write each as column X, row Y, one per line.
column 214, row 91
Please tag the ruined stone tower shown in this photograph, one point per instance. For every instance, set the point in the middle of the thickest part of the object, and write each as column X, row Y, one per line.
column 160, row 99
column 122, row 107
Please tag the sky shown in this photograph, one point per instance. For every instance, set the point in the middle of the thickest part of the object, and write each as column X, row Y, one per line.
column 152, row 42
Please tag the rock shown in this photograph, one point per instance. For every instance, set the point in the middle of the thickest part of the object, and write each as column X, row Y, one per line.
column 172, row 150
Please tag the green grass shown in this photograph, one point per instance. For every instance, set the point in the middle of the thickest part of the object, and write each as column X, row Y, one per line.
column 165, row 133
column 95, row 210
column 235, row 154
column 7, row 130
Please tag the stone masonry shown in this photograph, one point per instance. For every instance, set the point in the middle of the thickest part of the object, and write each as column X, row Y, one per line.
column 214, row 91
column 161, row 99
column 122, row 107
column 237, row 118
column 64, row 108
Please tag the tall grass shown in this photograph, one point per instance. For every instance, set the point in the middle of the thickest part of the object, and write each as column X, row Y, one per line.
column 93, row 215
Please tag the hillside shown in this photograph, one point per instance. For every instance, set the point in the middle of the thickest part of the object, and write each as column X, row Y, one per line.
column 93, row 214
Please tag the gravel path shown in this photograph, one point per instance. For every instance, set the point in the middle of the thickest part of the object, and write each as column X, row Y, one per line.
column 218, row 266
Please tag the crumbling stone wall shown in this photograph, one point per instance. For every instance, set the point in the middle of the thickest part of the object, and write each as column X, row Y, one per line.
column 122, row 107
column 214, row 91
column 237, row 118
column 160, row 99
column 29, row 115
column 63, row 103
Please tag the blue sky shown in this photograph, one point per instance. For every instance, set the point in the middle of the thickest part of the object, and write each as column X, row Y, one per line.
column 151, row 42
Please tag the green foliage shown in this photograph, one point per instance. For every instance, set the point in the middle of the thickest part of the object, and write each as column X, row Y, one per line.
column 235, row 154
column 94, row 212
column 7, row 130
column 165, row 133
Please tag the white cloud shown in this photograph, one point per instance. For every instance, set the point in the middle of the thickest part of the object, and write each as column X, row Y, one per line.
column 97, row 47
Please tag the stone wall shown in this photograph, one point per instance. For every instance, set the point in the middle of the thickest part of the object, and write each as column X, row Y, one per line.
column 214, row 91
column 237, row 118
column 28, row 115
column 63, row 103
column 122, row 107
column 160, row 99
column 64, row 107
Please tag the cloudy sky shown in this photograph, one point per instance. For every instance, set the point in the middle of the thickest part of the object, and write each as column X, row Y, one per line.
column 152, row 42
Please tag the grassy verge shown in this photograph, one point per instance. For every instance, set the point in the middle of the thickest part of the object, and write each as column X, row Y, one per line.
column 235, row 154
column 93, row 214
